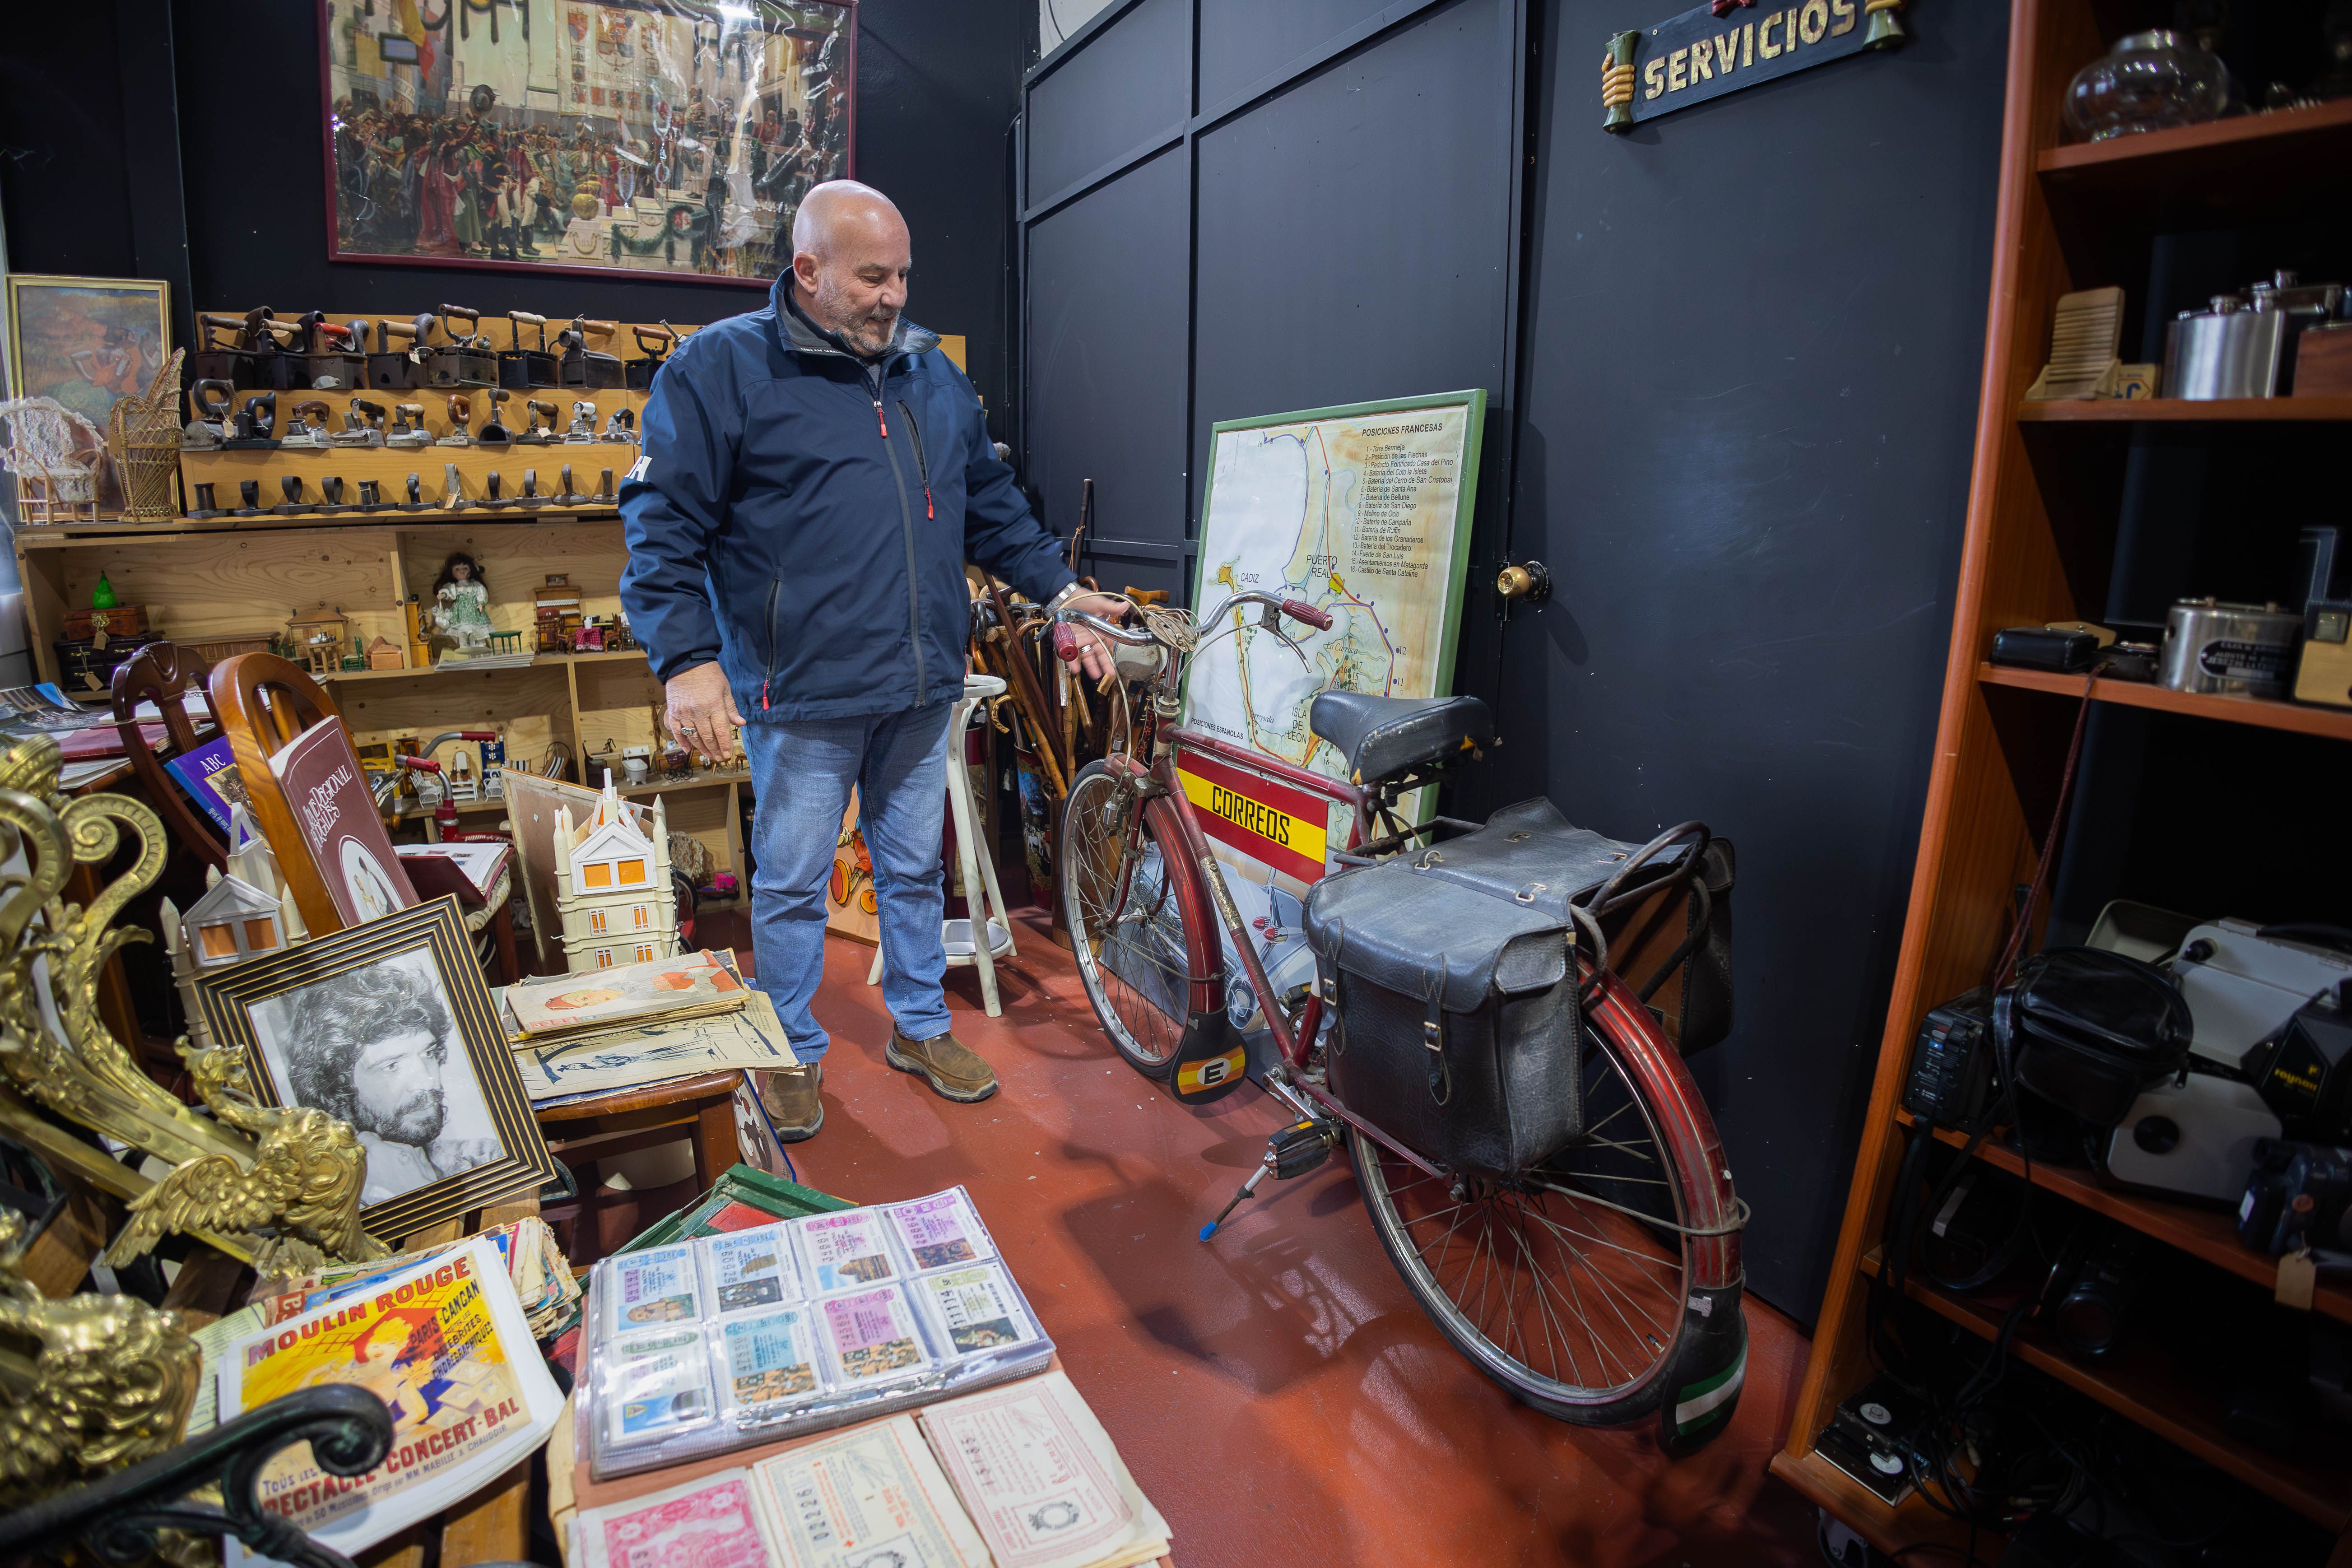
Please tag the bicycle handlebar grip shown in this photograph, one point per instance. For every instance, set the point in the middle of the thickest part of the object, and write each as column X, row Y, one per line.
column 420, row 765
column 1066, row 643
column 478, row 734
column 1319, row 620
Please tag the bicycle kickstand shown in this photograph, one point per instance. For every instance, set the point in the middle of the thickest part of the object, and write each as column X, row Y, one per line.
column 1292, row 1151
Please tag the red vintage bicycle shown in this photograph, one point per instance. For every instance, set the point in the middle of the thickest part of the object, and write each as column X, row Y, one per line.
column 1600, row 1284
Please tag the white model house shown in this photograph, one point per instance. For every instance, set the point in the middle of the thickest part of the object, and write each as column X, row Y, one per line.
column 612, row 885
column 246, row 912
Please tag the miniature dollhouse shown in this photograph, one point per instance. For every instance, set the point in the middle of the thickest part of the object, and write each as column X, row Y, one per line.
column 247, row 910
column 612, row 885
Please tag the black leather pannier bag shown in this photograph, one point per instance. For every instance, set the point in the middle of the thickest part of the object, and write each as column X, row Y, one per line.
column 1459, row 1033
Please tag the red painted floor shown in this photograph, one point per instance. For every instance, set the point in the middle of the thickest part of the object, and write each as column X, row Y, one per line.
column 1276, row 1392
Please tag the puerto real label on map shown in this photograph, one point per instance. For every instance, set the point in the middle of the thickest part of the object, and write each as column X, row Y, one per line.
column 1363, row 513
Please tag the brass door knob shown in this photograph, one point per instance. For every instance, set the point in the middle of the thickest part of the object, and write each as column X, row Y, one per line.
column 1530, row 580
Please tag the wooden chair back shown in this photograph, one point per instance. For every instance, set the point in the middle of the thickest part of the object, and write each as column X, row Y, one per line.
column 161, row 673
column 262, row 703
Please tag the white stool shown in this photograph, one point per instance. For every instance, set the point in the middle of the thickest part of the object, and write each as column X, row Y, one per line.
column 978, row 865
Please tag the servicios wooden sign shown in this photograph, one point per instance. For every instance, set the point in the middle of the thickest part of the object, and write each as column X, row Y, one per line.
column 1726, row 44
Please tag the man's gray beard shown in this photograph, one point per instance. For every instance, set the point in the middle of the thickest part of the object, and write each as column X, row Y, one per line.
column 858, row 333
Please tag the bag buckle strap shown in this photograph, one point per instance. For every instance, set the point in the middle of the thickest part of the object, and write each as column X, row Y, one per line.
column 1433, row 1034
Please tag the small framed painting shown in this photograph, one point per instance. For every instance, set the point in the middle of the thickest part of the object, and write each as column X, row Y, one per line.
column 389, row 1026
column 86, row 342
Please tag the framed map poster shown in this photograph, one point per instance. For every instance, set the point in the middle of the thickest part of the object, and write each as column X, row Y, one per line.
column 1364, row 513
column 663, row 136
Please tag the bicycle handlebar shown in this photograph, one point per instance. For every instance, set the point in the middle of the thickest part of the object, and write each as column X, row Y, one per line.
column 1319, row 620
column 1066, row 643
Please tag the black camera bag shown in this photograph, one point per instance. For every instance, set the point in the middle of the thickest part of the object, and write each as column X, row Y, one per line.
column 1458, row 1031
column 2091, row 1030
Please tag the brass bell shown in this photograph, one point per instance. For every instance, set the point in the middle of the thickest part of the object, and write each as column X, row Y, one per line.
column 1885, row 30
column 1530, row 580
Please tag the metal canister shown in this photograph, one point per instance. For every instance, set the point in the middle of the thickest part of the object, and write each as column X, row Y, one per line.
column 2245, row 650
column 2231, row 351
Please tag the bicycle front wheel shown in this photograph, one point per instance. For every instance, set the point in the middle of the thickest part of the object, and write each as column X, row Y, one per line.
column 1139, row 927
column 1581, row 1288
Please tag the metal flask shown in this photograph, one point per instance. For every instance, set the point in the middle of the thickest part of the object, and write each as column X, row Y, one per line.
column 2245, row 650
column 2231, row 351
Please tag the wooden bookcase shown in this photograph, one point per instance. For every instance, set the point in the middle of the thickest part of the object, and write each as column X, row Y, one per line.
column 2042, row 528
column 226, row 577
column 210, row 578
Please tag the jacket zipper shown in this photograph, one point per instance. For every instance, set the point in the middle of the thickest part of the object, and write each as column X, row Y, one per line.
column 906, row 525
column 914, row 428
column 774, row 589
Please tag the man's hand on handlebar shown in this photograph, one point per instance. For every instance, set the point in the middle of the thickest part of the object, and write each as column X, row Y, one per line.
column 1094, row 650
column 702, row 712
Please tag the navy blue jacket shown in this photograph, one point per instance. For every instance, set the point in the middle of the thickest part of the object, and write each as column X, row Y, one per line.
column 803, row 517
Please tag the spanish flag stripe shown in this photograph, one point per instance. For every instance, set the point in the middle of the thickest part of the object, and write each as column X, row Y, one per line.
column 1255, row 818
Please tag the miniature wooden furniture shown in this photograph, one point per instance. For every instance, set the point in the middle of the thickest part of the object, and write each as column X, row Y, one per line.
column 985, row 913
column 386, row 654
column 54, row 483
column 320, row 636
column 162, row 673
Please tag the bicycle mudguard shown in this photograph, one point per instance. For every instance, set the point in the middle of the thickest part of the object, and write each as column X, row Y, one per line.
column 1211, row 1061
column 1710, row 1367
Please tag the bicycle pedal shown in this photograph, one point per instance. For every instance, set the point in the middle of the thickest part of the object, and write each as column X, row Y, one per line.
column 1293, row 1151
column 1301, row 1147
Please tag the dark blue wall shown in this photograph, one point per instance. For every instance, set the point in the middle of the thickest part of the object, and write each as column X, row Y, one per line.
column 1753, row 336
column 1748, row 342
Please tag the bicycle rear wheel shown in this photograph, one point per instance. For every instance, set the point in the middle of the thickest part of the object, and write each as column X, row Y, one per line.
column 1578, row 1288
column 1132, row 923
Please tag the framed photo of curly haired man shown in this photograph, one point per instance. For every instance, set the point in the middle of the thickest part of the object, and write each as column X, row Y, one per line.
column 388, row 1025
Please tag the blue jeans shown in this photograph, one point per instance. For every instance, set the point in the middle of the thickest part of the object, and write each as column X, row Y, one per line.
column 802, row 772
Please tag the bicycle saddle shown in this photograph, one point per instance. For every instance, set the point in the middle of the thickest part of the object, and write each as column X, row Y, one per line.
column 1384, row 736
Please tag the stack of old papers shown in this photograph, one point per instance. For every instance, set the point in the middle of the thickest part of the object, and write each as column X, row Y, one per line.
column 443, row 1344
column 578, row 1035
column 692, row 986
column 535, row 1265
column 1017, row 1476
column 544, row 1289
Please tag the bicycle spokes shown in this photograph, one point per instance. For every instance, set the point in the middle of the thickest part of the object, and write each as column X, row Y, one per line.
column 1566, row 1285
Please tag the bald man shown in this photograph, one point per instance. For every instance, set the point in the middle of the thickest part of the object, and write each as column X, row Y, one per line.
column 815, row 477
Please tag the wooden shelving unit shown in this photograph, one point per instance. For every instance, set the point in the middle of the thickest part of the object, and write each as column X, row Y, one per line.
column 2042, row 519
column 2186, row 411
column 2138, row 1381
column 226, row 577
column 2335, row 723
column 2206, row 1234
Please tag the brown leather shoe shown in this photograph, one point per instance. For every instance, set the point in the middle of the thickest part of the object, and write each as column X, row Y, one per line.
column 953, row 1069
column 791, row 1096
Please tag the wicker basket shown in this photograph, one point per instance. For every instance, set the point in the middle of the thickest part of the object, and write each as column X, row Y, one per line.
column 143, row 435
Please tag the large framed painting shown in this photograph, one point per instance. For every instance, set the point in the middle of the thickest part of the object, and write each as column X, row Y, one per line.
column 668, row 136
column 86, row 342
